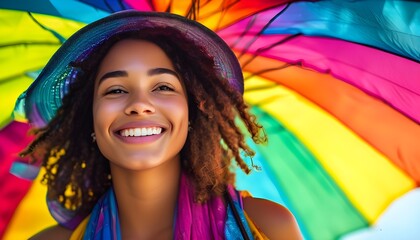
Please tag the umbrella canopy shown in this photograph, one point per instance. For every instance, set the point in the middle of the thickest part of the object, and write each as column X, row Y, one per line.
column 335, row 83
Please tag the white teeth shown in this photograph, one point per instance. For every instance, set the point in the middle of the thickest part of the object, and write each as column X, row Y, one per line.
column 139, row 132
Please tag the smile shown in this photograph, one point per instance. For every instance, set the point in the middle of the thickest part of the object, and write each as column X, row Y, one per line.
column 140, row 132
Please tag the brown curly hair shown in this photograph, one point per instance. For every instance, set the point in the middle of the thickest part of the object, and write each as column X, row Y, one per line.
column 77, row 174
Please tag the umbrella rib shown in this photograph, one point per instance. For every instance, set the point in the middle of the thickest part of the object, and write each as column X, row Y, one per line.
column 30, row 43
column 269, row 70
column 222, row 12
column 108, row 6
column 222, row 15
column 11, row 78
column 261, row 50
column 56, row 34
column 247, row 28
column 262, row 30
column 123, row 7
column 193, row 10
column 207, row 2
column 259, row 88
column 151, row 5
column 218, row 10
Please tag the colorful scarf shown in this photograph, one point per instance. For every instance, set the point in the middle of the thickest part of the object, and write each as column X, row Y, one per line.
column 211, row 220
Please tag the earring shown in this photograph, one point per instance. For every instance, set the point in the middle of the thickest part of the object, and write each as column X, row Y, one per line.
column 93, row 135
column 189, row 126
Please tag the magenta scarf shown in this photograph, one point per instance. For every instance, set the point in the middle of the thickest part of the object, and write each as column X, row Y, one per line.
column 198, row 221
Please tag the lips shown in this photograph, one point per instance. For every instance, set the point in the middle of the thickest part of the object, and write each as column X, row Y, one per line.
column 140, row 131
column 143, row 132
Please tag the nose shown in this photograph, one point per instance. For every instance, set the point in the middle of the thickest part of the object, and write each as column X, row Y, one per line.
column 139, row 104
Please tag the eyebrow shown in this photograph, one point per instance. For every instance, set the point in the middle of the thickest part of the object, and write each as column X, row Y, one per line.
column 113, row 74
column 151, row 72
column 158, row 71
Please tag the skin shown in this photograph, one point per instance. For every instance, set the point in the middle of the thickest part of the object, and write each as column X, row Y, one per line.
column 137, row 86
column 274, row 220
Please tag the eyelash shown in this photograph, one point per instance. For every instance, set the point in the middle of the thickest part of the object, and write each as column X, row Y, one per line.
column 115, row 91
column 159, row 88
column 166, row 88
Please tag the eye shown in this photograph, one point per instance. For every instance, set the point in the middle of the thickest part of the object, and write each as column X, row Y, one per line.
column 115, row 91
column 164, row 88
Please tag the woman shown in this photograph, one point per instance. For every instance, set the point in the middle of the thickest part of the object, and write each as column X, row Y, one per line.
column 141, row 144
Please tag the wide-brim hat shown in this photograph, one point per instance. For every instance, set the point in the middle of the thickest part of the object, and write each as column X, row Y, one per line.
column 43, row 98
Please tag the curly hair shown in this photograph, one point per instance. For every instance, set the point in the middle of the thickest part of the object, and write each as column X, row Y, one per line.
column 77, row 174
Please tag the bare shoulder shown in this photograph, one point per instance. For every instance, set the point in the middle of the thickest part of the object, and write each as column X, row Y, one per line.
column 54, row 232
column 274, row 220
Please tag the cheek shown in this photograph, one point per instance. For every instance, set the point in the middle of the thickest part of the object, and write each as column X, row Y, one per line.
column 176, row 111
column 179, row 111
column 102, row 120
column 96, row 112
column 102, row 115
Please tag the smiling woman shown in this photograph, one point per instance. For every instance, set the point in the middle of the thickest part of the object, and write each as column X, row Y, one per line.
column 137, row 135
column 145, row 94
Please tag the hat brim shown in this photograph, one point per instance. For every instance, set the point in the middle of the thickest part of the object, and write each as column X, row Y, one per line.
column 43, row 98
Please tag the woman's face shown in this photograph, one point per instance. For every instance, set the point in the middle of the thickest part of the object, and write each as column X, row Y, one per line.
column 140, row 109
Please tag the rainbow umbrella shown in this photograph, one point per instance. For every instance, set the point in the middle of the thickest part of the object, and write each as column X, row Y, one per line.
column 335, row 83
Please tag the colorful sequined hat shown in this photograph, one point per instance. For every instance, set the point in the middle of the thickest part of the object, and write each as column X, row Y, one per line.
column 42, row 99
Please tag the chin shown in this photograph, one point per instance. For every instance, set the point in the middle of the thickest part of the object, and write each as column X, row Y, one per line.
column 140, row 163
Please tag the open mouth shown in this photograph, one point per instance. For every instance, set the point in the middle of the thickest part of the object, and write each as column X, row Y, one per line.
column 141, row 132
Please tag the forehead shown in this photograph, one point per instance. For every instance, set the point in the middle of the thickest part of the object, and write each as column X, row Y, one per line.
column 133, row 55
column 131, row 51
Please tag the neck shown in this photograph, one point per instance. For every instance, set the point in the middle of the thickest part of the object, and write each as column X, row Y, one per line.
column 147, row 200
